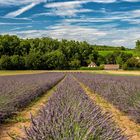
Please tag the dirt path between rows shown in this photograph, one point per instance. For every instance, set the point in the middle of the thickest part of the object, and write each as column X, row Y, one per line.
column 122, row 120
column 15, row 126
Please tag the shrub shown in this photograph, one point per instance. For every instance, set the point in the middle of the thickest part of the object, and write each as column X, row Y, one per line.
column 5, row 63
column 93, row 68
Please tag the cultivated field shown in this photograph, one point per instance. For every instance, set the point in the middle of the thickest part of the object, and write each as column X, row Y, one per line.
column 123, row 92
column 81, row 106
column 18, row 91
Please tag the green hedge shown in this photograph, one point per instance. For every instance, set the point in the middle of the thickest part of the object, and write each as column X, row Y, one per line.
column 134, row 68
column 92, row 68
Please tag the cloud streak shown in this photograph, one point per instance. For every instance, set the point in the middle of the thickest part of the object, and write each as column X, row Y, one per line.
column 29, row 4
column 20, row 2
column 20, row 11
column 70, row 8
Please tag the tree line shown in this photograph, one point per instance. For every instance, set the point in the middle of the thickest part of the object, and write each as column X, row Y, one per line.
column 51, row 54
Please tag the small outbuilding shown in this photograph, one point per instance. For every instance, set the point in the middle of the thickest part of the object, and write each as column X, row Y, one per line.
column 92, row 65
column 111, row 67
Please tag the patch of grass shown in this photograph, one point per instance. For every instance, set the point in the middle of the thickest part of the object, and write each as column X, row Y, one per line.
column 133, row 52
column 92, row 68
column 116, row 73
column 105, row 53
column 17, row 119
column 13, row 135
column 16, row 72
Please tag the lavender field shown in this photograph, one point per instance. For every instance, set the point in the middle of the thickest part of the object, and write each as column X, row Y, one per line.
column 18, row 91
column 70, row 114
column 122, row 91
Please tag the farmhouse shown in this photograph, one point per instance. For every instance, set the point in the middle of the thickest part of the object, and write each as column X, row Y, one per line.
column 92, row 65
column 111, row 67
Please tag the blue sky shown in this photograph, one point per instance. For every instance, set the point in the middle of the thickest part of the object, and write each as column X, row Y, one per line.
column 109, row 22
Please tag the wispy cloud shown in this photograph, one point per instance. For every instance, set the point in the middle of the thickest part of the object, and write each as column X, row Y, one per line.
column 67, row 4
column 20, row 11
column 131, row 0
column 20, row 2
column 96, row 21
column 131, row 16
column 69, row 8
column 29, row 4
column 10, row 23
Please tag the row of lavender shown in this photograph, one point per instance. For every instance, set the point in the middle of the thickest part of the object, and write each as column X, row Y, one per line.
column 17, row 91
column 121, row 91
column 71, row 115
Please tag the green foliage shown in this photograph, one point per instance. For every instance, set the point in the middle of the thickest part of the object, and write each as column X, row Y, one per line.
column 33, row 61
column 54, row 60
column 138, row 45
column 74, row 64
column 92, row 68
column 132, row 64
column 5, row 63
column 125, row 66
column 8, row 44
column 119, row 60
column 117, row 57
column 18, row 62
column 109, row 48
column 105, row 53
column 47, row 53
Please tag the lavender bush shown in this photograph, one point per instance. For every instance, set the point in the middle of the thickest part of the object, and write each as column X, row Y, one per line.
column 121, row 91
column 71, row 115
column 17, row 91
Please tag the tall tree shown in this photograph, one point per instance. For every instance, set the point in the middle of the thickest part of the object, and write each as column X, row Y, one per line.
column 138, row 45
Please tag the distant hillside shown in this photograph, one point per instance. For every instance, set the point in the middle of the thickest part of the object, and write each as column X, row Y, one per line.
column 133, row 52
column 105, row 50
column 104, row 47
